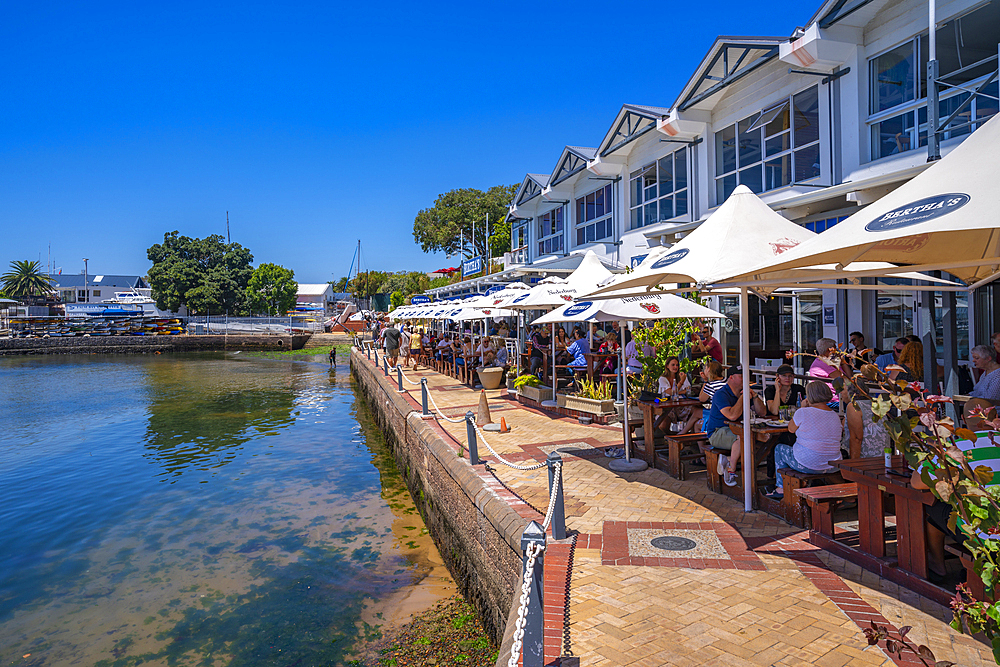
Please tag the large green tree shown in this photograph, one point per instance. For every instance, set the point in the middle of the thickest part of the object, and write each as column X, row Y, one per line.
column 206, row 275
column 272, row 289
column 444, row 226
column 25, row 281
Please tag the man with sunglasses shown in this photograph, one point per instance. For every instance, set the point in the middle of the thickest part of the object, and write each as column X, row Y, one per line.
column 893, row 356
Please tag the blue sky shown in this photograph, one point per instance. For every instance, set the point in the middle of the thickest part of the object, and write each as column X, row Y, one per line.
column 313, row 124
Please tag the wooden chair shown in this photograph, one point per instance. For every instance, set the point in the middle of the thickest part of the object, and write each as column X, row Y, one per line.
column 677, row 460
column 822, row 501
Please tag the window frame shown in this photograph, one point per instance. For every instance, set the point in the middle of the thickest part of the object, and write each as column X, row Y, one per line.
column 783, row 158
column 606, row 220
column 637, row 218
column 558, row 232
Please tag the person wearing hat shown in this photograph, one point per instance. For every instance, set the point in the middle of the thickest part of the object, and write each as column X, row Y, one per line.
column 785, row 392
column 727, row 405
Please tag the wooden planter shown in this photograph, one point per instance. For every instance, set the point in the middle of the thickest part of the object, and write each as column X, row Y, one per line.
column 537, row 394
column 589, row 405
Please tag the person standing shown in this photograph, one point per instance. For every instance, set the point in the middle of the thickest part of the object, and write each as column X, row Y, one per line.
column 391, row 338
column 333, row 356
column 705, row 345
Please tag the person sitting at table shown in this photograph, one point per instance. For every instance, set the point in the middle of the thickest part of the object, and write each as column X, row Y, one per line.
column 828, row 368
column 864, row 354
column 467, row 355
column 609, row 346
column 562, row 342
column 986, row 393
column 785, row 392
column 671, row 385
column 445, row 352
column 705, row 345
column 540, row 343
column 937, row 516
column 817, row 431
column 911, row 359
column 633, row 357
column 486, row 351
column 577, row 351
column 727, row 404
column 714, row 376
column 892, row 355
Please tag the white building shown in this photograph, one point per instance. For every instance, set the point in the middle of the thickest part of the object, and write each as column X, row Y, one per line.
column 818, row 124
column 315, row 296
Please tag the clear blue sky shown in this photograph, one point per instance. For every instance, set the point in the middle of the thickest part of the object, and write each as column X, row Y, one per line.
column 313, row 124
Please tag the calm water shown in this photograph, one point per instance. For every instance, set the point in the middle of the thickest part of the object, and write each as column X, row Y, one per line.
column 212, row 509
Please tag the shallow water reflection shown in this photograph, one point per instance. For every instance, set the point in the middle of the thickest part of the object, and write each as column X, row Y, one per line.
column 193, row 510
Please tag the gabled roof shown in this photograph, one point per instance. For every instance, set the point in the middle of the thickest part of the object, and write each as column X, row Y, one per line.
column 531, row 187
column 98, row 281
column 573, row 160
column 729, row 59
column 832, row 11
column 632, row 121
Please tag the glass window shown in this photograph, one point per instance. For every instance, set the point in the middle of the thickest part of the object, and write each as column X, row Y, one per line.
column 550, row 231
column 894, row 77
column 775, row 148
column 659, row 190
column 594, row 213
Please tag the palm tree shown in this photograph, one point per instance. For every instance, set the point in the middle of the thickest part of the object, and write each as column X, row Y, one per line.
column 25, row 280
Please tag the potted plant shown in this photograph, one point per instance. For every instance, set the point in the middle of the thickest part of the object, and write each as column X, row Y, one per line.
column 531, row 387
column 593, row 397
column 490, row 376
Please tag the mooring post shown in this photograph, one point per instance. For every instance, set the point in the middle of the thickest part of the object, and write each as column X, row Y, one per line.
column 533, row 643
column 375, row 352
column 470, row 429
column 423, row 397
column 385, row 365
column 399, row 377
column 558, row 513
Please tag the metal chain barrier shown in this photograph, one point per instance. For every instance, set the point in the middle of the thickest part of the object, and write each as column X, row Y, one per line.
column 442, row 415
column 504, row 461
column 552, row 497
column 533, row 551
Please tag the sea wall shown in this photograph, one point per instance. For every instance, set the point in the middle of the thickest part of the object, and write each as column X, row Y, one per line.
column 477, row 532
column 147, row 344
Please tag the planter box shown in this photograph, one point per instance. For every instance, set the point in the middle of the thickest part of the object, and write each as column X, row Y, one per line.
column 537, row 394
column 510, row 382
column 490, row 378
column 590, row 405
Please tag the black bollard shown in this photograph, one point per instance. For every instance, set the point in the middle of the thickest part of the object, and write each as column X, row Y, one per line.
column 470, row 429
column 423, row 397
column 533, row 643
column 559, row 513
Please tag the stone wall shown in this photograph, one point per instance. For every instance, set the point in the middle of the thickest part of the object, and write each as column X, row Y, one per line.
column 147, row 344
column 476, row 531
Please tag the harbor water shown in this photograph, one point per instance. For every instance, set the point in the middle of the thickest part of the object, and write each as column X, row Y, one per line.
column 202, row 509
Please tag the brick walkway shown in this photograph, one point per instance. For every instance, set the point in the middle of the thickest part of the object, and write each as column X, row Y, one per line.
column 752, row 591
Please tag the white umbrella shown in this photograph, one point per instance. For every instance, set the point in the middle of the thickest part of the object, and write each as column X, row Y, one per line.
column 944, row 219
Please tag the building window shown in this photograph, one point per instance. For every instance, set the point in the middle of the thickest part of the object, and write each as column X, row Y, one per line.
column 594, row 219
column 519, row 234
column 898, row 90
column 820, row 226
column 550, row 232
column 96, row 292
column 777, row 147
column 659, row 190
column 81, row 296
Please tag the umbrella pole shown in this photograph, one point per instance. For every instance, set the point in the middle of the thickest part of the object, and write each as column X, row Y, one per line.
column 748, row 470
column 623, row 392
column 555, row 381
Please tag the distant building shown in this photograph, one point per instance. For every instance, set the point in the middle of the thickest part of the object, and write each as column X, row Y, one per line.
column 315, row 297
column 77, row 288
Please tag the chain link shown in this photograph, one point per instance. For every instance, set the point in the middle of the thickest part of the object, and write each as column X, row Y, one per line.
column 533, row 551
column 400, row 368
column 443, row 416
column 501, row 459
column 552, row 496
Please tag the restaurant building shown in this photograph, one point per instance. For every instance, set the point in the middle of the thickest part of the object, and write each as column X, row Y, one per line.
column 818, row 123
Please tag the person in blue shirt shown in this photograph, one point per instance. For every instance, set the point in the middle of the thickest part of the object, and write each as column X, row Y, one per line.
column 727, row 405
column 577, row 351
column 892, row 356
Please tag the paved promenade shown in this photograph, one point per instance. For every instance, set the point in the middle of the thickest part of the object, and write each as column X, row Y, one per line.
column 752, row 592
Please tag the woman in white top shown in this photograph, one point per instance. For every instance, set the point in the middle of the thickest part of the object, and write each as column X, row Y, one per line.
column 674, row 384
column 817, row 431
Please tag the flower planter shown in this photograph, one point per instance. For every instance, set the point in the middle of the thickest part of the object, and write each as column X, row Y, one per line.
column 537, row 394
column 510, row 382
column 490, row 378
column 589, row 405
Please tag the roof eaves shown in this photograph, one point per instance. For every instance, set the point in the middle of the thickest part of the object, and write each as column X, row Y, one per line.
column 721, row 42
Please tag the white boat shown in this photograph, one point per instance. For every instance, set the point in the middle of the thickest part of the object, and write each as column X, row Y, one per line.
column 134, row 303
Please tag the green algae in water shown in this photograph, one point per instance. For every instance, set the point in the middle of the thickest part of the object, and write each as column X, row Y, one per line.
column 196, row 510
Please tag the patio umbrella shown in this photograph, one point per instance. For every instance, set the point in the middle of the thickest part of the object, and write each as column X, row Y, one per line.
column 944, row 219
column 645, row 307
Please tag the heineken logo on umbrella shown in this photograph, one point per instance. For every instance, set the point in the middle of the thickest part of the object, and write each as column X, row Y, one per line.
column 566, row 297
column 487, row 311
column 652, row 308
column 496, row 302
column 672, row 258
column 918, row 211
column 573, row 311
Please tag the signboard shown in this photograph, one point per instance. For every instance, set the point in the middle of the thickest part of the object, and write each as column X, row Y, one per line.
column 495, row 288
column 471, row 266
column 419, row 299
column 829, row 315
column 637, row 260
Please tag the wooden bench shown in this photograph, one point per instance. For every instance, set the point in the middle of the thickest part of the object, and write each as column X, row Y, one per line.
column 822, row 502
column 972, row 578
column 676, row 459
column 712, row 463
column 792, row 510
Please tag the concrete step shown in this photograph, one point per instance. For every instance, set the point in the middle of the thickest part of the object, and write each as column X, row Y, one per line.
column 325, row 340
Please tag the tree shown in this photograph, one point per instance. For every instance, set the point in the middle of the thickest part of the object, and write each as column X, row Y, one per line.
column 444, row 226
column 26, row 281
column 272, row 289
column 206, row 275
column 396, row 299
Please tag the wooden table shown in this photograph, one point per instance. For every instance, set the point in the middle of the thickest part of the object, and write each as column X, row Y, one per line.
column 649, row 410
column 594, row 357
column 765, row 437
column 874, row 484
